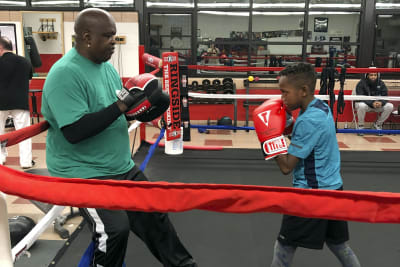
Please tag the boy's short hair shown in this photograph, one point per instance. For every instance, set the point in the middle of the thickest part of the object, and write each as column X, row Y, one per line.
column 301, row 74
column 6, row 43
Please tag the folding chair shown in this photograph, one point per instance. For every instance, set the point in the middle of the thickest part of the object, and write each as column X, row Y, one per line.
column 354, row 111
column 394, row 118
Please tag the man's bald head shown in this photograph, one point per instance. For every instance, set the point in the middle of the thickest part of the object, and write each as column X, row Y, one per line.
column 5, row 43
column 89, row 19
column 95, row 31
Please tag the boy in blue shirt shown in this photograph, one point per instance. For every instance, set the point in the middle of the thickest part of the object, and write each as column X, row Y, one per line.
column 314, row 158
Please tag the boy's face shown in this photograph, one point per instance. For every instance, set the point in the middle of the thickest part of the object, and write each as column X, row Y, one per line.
column 292, row 96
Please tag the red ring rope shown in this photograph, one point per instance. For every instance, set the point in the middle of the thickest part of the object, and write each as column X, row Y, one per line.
column 375, row 207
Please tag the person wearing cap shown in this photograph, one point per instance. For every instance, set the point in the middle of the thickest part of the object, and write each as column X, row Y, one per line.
column 372, row 85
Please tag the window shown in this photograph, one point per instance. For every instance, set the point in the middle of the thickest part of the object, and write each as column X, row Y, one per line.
column 387, row 47
column 319, row 54
column 223, row 4
column 387, row 4
column 170, row 4
column 274, row 56
column 331, row 26
column 234, row 27
column 346, row 4
column 278, row 26
column 57, row 3
column 278, row 4
column 171, row 32
column 224, row 29
column 108, row 3
column 21, row 3
column 229, row 38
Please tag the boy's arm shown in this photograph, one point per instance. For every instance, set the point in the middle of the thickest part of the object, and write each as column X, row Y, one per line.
column 286, row 163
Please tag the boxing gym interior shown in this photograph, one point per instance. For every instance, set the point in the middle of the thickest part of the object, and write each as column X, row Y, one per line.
column 229, row 55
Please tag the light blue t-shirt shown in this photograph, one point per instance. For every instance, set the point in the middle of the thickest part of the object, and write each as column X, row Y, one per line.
column 314, row 143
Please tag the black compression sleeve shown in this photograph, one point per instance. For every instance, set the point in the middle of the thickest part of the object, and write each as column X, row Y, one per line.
column 91, row 124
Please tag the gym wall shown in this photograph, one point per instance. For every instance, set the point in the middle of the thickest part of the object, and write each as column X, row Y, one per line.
column 126, row 57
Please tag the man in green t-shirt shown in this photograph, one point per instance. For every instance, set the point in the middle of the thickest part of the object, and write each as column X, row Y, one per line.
column 88, row 138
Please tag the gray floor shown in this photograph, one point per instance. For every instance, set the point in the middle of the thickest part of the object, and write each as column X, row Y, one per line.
column 41, row 254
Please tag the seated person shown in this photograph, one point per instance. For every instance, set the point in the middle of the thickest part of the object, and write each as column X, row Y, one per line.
column 213, row 54
column 372, row 85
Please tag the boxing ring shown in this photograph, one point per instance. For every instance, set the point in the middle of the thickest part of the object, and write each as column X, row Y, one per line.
column 246, row 239
column 231, row 181
column 247, row 186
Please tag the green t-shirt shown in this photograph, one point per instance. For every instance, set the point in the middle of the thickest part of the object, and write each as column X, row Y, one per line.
column 76, row 86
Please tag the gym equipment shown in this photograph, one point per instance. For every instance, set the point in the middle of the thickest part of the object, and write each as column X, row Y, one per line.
column 9, row 122
column 19, row 226
column 216, row 83
column 31, row 48
column 227, row 84
column 225, row 121
column 206, row 84
column 185, row 118
column 195, row 85
column 45, row 208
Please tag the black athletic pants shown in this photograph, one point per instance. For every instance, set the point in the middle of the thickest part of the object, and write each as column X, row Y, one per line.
column 111, row 228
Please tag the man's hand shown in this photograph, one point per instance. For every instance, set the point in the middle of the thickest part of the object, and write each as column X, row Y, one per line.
column 377, row 104
column 139, row 94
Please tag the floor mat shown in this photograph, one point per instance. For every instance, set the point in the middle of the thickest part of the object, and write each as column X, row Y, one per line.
column 41, row 254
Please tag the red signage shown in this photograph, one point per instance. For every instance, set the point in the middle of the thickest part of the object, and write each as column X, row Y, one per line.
column 172, row 117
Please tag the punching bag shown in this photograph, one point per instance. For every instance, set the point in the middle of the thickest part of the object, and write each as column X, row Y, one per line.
column 31, row 51
column 19, row 226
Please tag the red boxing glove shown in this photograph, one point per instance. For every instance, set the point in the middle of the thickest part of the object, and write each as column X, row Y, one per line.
column 289, row 123
column 158, row 122
column 139, row 94
column 152, row 61
column 269, row 122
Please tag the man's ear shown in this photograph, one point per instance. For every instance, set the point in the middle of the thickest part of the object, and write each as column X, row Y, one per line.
column 86, row 36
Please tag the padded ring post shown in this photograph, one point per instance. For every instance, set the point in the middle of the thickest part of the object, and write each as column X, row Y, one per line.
column 5, row 243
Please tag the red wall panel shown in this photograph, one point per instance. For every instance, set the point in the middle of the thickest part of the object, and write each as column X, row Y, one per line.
column 47, row 61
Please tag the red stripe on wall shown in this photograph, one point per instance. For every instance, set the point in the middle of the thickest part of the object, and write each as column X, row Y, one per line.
column 47, row 61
